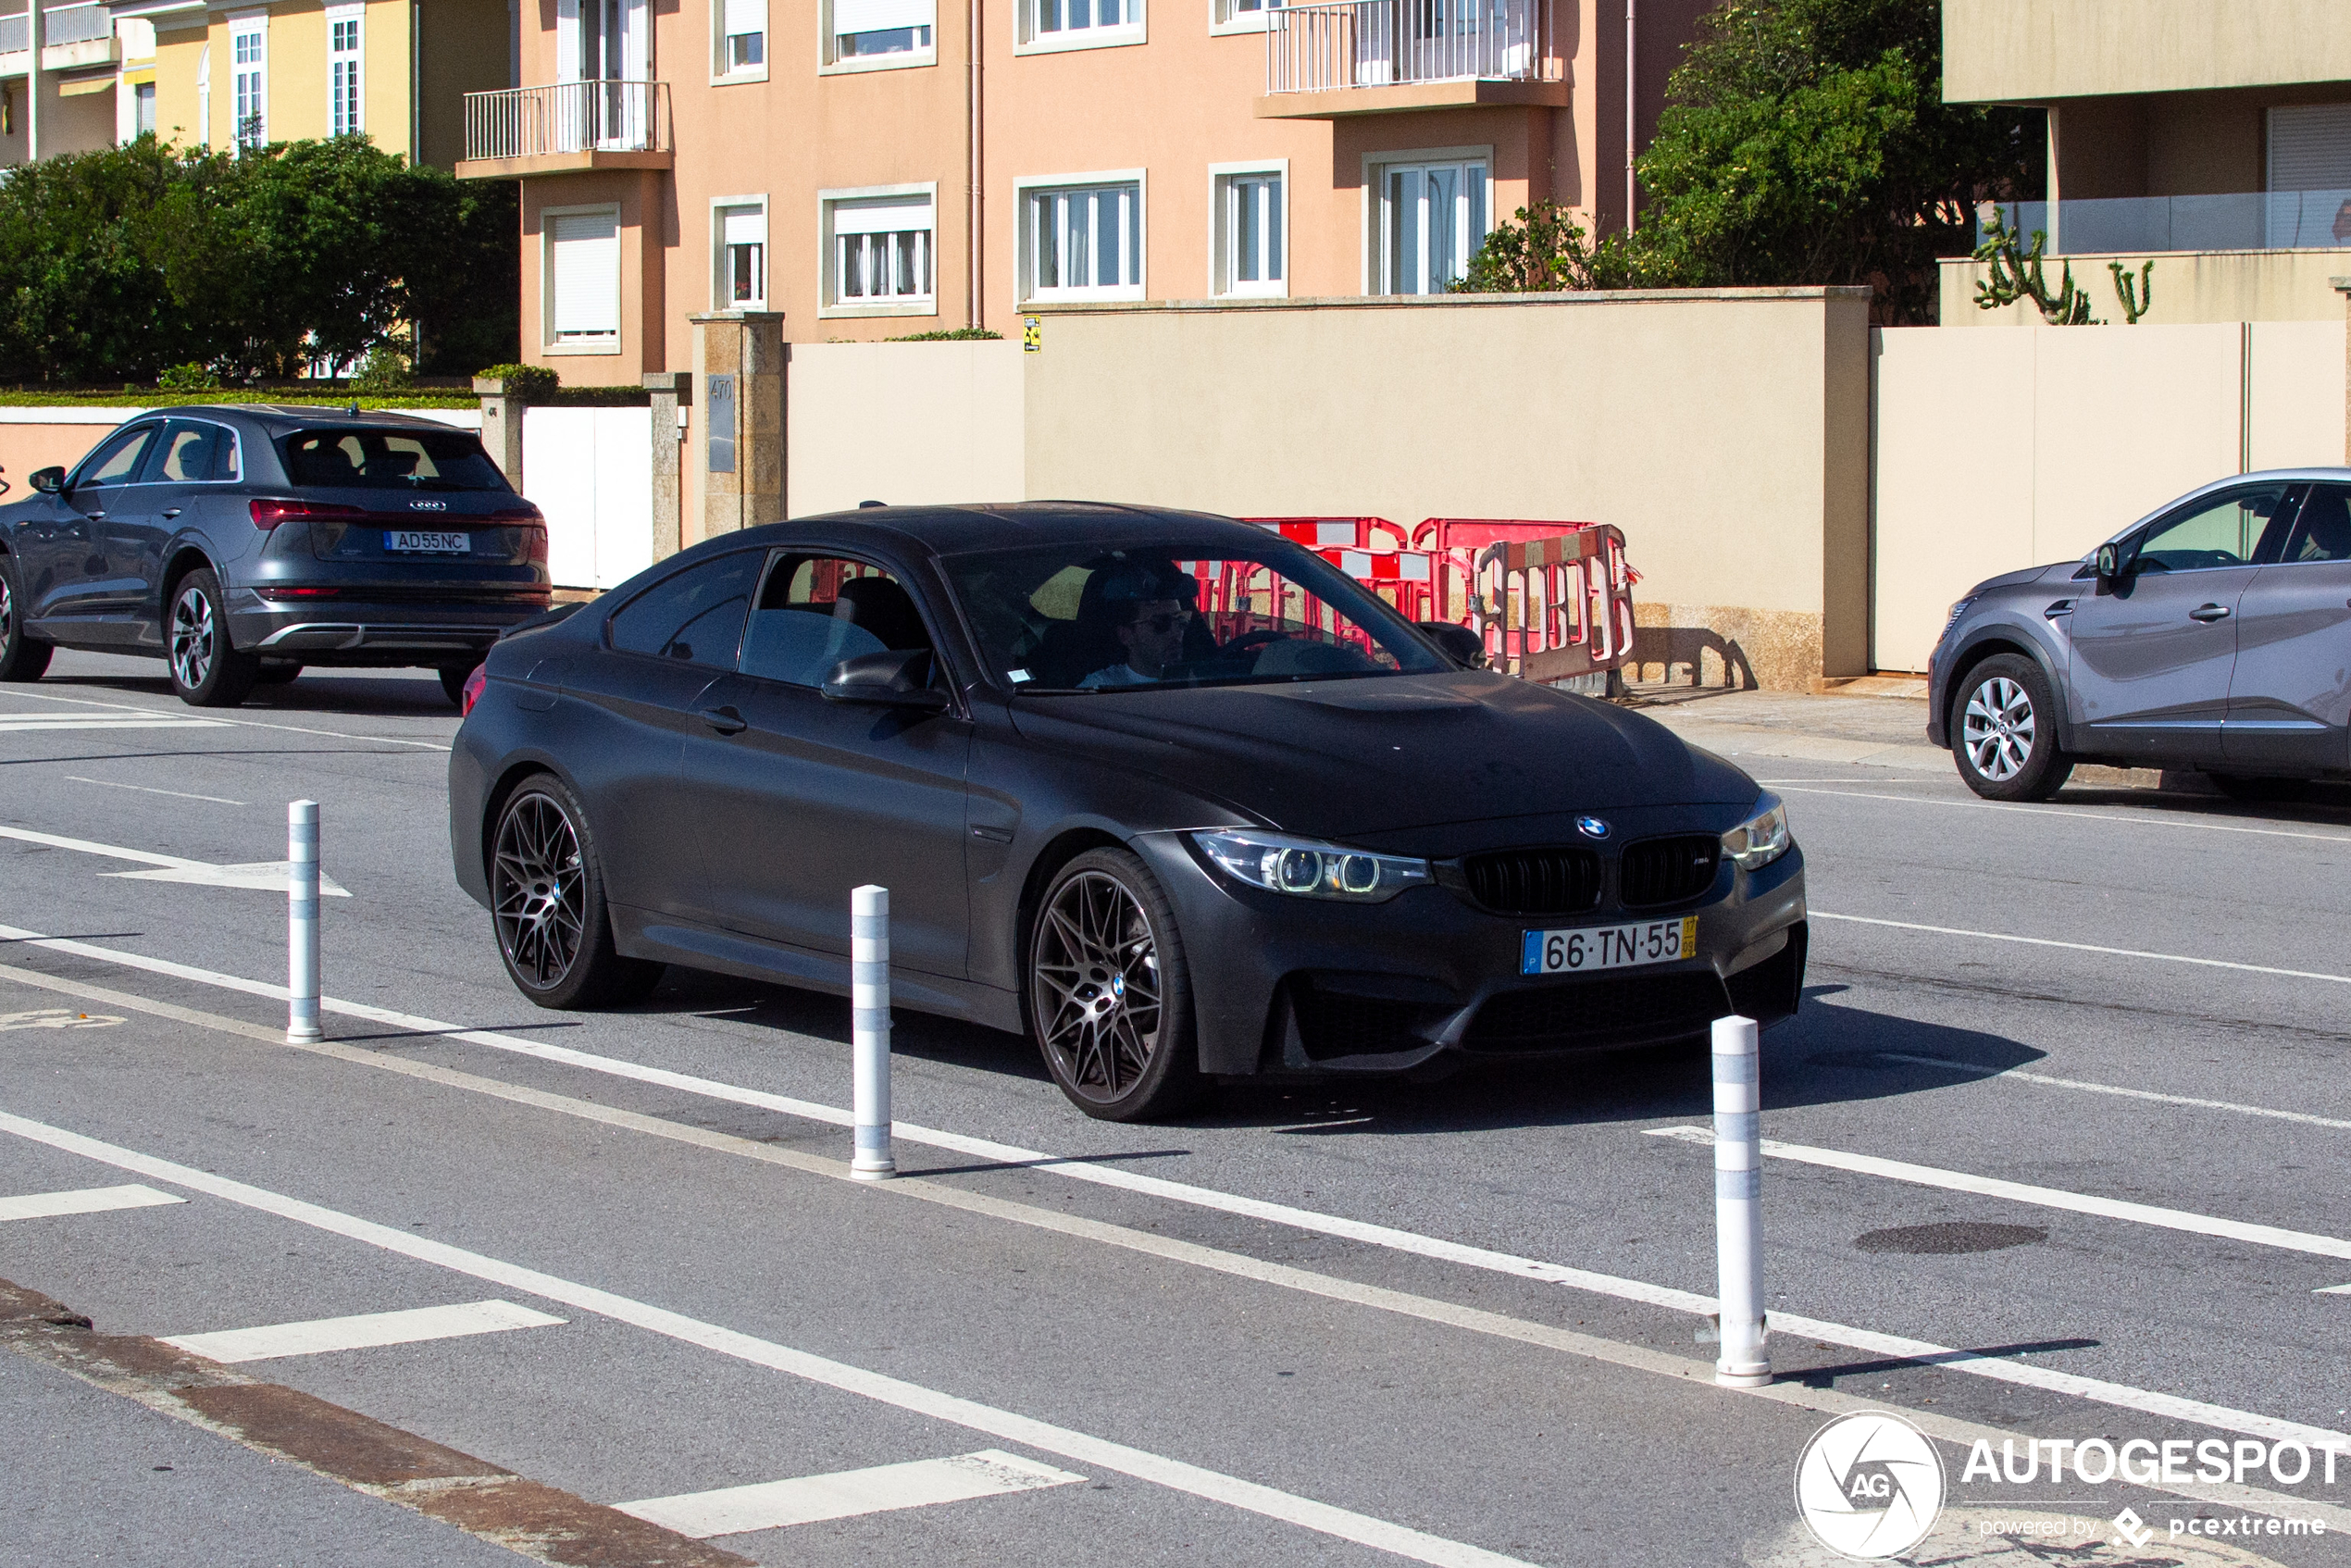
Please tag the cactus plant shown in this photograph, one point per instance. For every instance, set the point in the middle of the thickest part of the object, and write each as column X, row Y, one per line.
column 2136, row 302
column 2015, row 274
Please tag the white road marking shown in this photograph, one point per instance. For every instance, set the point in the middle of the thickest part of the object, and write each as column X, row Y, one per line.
column 57, row 1018
column 771, row 1505
column 266, row 874
column 11, row 723
column 2144, row 819
column 145, row 790
column 240, row 723
column 1080, row 1447
column 364, row 1331
column 86, row 1200
column 2043, row 1197
column 2121, row 1396
column 1451, row 1314
column 1954, row 1065
column 2085, row 947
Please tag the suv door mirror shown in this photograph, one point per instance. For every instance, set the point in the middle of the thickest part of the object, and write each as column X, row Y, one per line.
column 2108, row 563
column 48, row 481
column 895, row 677
column 1460, row 644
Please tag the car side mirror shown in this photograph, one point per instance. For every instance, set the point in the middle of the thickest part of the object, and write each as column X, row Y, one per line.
column 2107, row 562
column 48, row 481
column 1462, row 645
column 896, row 678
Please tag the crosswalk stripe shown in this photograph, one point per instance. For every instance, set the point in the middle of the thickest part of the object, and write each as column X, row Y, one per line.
column 86, row 1200
column 771, row 1505
column 12, row 723
column 361, row 1332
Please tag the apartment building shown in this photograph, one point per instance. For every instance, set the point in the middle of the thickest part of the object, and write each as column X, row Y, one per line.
column 875, row 168
column 2210, row 136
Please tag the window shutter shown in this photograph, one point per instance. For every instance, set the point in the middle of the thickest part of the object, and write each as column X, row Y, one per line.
column 744, row 226
column 887, row 216
column 2310, row 147
column 745, row 15
column 584, row 258
column 881, row 16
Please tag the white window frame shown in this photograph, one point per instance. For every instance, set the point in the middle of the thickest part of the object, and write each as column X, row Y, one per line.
column 1024, row 239
column 203, row 93
column 832, row 63
column 254, row 25
column 1028, row 39
column 1219, row 177
column 356, row 13
column 1374, row 230
column 828, row 284
column 1226, row 17
column 722, row 74
column 722, row 276
column 547, row 280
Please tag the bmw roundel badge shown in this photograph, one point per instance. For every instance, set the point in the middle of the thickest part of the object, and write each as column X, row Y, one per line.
column 1591, row 826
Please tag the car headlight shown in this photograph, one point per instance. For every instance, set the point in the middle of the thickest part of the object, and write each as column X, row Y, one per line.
column 1309, row 870
column 1762, row 839
column 1959, row 608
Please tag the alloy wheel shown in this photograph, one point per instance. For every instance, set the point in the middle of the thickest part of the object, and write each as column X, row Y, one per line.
column 1997, row 728
column 539, row 890
column 1096, row 987
column 7, row 611
column 195, row 636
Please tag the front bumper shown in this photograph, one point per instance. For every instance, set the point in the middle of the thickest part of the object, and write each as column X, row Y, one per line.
column 364, row 631
column 1291, row 986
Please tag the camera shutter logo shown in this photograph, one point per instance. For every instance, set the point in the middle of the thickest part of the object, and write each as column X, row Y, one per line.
column 1869, row 1484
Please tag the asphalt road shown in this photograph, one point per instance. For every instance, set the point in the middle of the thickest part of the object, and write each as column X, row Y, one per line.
column 1408, row 1323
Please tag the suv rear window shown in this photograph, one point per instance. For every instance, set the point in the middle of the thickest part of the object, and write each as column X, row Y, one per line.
column 362, row 459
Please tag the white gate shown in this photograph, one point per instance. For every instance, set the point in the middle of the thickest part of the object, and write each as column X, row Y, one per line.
column 591, row 471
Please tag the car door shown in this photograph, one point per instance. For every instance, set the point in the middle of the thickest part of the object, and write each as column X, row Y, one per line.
column 802, row 799
column 2152, row 649
column 2290, row 696
column 67, row 569
column 141, row 516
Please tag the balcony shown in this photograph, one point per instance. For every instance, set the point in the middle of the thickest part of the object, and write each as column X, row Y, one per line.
column 1381, row 56
column 2244, row 220
column 566, row 128
column 72, row 37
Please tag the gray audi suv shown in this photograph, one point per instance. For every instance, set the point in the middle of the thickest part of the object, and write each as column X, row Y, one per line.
column 240, row 542
column 2214, row 634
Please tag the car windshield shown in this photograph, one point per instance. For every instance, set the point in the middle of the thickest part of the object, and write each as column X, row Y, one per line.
column 1082, row 618
column 380, row 459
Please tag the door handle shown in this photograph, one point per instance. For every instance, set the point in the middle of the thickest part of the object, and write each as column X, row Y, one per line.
column 95, row 517
column 2210, row 613
column 171, row 511
column 727, row 721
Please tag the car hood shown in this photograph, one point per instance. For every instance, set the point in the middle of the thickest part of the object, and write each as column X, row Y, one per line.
column 1348, row 758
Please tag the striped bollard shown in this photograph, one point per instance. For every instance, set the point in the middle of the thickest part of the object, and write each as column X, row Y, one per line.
column 302, row 923
column 1738, row 1210
column 869, row 1024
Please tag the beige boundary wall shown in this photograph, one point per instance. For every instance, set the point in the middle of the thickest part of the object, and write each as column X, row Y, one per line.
column 904, row 423
column 1996, row 451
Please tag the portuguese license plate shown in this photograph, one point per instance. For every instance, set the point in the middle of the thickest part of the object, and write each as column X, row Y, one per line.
column 427, row 543
column 1609, row 947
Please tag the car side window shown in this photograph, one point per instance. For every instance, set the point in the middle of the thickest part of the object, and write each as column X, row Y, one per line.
column 224, row 455
column 2323, row 533
column 2230, row 529
column 117, row 462
column 817, row 610
column 695, row 615
column 187, row 452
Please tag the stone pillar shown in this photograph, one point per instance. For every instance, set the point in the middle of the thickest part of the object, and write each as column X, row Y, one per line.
column 673, row 392
column 502, row 425
column 737, row 447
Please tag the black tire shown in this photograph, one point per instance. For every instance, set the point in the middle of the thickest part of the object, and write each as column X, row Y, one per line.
column 1103, row 938
column 277, row 675
column 547, row 904
column 22, row 656
column 453, row 681
column 207, row 669
column 2004, row 731
column 2258, row 789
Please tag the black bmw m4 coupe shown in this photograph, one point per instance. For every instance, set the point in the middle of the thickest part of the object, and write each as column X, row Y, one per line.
column 1175, row 798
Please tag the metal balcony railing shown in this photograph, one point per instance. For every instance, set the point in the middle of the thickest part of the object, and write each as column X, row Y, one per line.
column 1385, row 42
column 568, row 117
column 59, row 24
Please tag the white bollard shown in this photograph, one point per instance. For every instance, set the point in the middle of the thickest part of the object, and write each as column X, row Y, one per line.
column 1738, row 1210
column 302, row 923
column 869, row 1026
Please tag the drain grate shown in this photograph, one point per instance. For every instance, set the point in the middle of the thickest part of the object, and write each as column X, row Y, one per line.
column 1952, row 1236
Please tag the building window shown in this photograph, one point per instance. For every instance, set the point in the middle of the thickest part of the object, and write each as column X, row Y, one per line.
column 249, row 84
column 1432, row 220
column 142, row 110
column 1240, row 15
column 1084, row 242
column 882, row 257
column 1075, row 24
column 742, row 38
column 740, row 231
column 1252, row 233
column 875, row 31
column 583, row 281
column 344, row 75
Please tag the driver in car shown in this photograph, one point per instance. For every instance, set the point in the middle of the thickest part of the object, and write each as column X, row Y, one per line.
column 1149, row 613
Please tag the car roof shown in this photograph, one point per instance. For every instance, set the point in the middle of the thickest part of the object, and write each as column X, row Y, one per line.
column 955, row 531
column 279, row 417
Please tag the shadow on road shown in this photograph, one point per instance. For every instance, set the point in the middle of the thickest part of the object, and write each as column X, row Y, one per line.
column 395, row 693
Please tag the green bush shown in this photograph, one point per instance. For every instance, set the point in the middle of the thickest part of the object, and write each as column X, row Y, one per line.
column 384, row 371
column 532, row 383
column 949, row 335
column 188, row 378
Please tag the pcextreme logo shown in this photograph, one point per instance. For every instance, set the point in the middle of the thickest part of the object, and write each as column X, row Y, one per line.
column 1869, row 1484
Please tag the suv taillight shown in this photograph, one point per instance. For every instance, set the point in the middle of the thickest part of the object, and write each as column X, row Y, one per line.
column 269, row 511
column 474, row 685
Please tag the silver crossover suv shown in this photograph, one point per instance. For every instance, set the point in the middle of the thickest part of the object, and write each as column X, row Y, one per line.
column 2214, row 634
